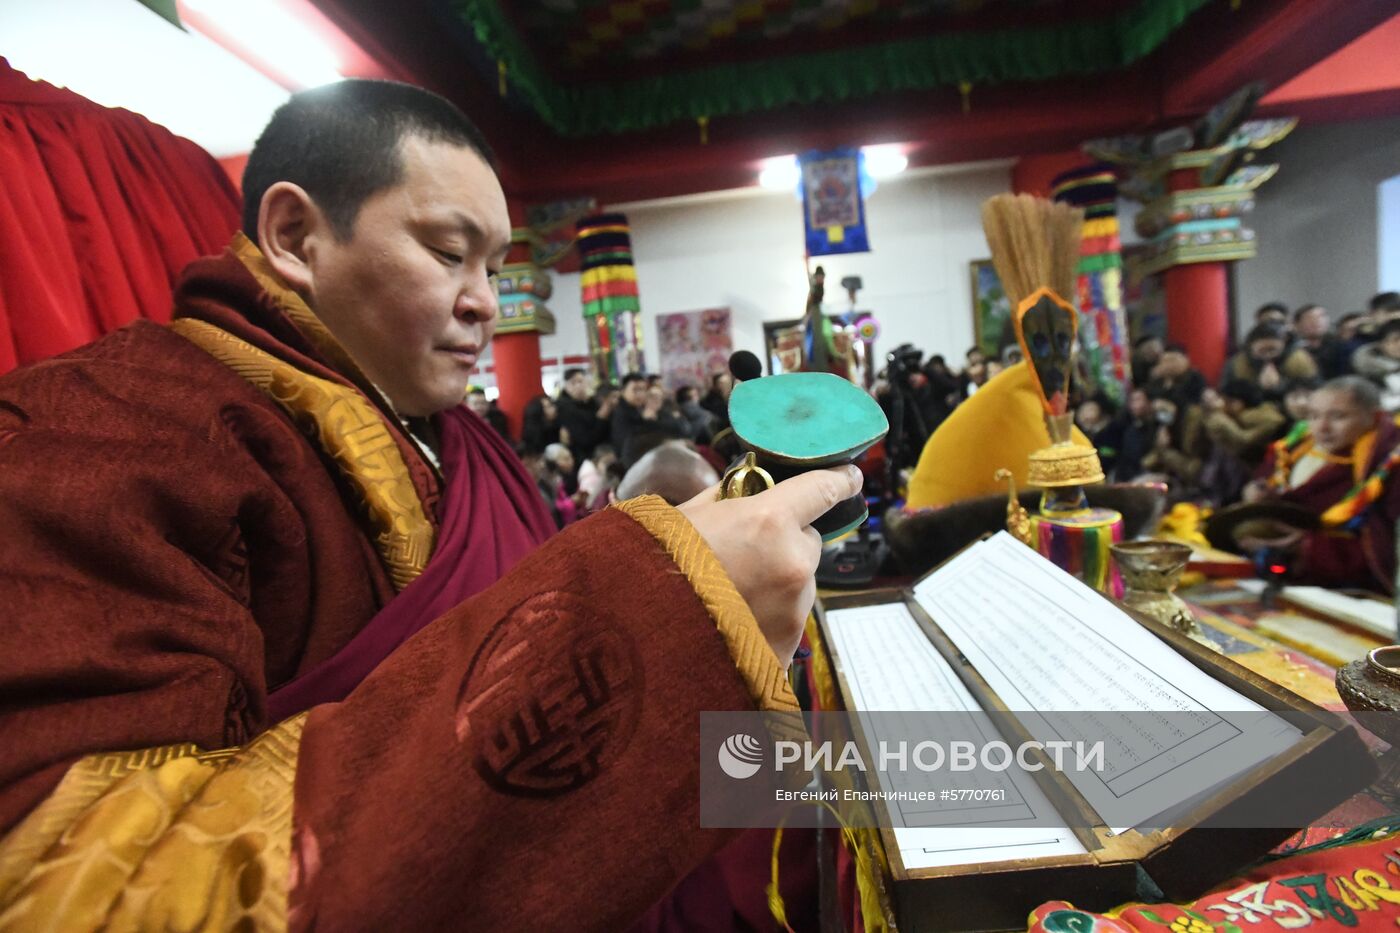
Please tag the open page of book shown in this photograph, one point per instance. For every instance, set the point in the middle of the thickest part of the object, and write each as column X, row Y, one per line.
column 890, row 665
column 1077, row 668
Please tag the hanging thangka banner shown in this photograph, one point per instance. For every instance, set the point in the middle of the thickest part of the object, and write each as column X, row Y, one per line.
column 833, row 210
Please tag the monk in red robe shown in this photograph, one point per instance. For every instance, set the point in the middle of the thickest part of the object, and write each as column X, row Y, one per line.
column 284, row 645
column 1338, row 465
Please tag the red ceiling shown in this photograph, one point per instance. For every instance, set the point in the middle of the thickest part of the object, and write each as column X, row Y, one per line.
column 1217, row 50
column 1355, row 79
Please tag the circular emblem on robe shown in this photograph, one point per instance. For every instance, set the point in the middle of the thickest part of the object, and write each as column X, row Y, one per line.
column 551, row 698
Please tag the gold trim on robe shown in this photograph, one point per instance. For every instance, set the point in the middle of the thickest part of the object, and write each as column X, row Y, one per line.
column 350, row 430
column 766, row 679
column 300, row 313
column 167, row 838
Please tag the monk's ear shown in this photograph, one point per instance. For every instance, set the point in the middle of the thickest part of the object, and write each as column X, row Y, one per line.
column 287, row 220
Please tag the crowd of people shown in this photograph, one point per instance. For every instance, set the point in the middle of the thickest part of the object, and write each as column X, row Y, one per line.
column 593, row 443
column 589, row 441
column 1205, row 442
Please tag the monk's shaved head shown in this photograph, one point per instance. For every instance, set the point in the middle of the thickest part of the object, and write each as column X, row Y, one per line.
column 1342, row 411
column 672, row 471
column 1362, row 392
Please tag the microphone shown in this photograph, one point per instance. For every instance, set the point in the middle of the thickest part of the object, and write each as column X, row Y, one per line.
column 744, row 366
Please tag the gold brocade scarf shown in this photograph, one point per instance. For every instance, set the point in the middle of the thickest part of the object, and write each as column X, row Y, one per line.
column 344, row 424
column 300, row 313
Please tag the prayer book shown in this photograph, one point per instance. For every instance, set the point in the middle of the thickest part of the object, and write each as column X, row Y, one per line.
column 1197, row 752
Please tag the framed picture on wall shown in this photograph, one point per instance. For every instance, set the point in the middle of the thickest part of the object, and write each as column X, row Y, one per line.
column 782, row 341
column 991, row 310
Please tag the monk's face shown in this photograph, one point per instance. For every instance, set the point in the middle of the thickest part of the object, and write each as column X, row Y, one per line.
column 1338, row 421
column 412, row 293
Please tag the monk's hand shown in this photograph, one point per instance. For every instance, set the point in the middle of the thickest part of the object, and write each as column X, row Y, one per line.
column 767, row 546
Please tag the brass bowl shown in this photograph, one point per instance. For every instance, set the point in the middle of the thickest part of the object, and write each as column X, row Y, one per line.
column 1371, row 685
column 1151, row 565
column 1385, row 663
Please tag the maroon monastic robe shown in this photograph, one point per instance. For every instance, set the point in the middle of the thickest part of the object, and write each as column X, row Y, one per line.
column 1363, row 557
column 172, row 548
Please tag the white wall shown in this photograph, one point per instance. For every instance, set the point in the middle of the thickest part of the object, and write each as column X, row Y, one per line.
column 1317, row 219
column 744, row 251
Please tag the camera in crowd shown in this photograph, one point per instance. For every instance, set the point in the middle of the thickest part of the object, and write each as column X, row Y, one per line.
column 903, row 360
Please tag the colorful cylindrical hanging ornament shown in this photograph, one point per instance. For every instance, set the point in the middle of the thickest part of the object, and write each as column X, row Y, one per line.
column 611, row 304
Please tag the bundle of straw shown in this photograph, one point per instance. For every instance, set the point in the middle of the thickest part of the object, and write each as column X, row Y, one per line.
column 1035, row 244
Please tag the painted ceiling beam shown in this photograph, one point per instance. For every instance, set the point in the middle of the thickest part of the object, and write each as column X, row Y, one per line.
column 1000, row 122
column 1215, row 52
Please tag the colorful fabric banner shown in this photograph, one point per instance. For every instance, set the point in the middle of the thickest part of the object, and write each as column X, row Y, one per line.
column 833, row 208
column 610, row 299
column 1351, row 887
column 1103, row 325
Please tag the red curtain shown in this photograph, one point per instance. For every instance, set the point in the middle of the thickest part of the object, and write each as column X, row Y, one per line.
column 100, row 209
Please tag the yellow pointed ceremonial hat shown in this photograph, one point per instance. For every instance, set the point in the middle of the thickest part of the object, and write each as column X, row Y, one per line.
column 1000, row 426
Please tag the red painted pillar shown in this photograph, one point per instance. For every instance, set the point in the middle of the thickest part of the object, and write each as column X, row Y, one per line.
column 516, row 355
column 517, row 360
column 1198, row 314
column 1198, row 301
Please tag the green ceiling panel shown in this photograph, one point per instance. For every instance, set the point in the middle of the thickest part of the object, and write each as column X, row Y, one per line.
column 577, row 33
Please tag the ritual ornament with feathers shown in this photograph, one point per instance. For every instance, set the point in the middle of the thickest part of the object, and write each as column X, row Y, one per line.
column 1035, row 250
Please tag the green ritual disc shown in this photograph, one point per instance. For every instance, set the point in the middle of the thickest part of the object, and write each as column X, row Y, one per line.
column 807, row 420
